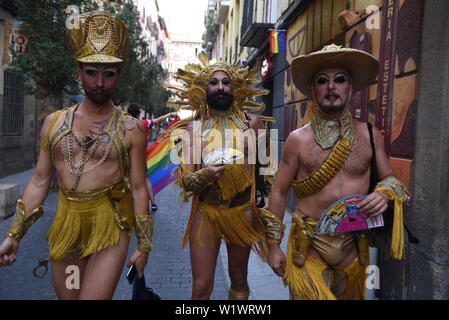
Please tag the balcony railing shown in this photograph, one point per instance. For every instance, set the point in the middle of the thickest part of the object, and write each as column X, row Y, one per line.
column 254, row 33
column 223, row 9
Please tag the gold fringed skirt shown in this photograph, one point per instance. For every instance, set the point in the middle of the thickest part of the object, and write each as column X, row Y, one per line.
column 308, row 282
column 229, row 224
column 82, row 227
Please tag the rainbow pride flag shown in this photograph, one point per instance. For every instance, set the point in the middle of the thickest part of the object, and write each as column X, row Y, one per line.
column 277, row 41
column 159, row 167
column 141, row 23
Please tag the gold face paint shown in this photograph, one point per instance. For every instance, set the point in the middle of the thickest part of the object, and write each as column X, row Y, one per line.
column 322, row 79
column 110, row 72
column 341, row 77
column 90, row 70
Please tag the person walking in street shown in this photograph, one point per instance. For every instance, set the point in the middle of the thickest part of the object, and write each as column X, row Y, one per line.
column 134, row 110
column 324, row 161
column 223, row 190
column 92, row 146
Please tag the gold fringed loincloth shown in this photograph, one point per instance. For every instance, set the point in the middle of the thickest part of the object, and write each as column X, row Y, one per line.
column 229, row 224
column 316, row 280
column 227, row 217
column 87, row 222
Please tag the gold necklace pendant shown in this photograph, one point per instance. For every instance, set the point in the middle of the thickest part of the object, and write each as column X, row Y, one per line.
column 87, row 142
column 328, row 131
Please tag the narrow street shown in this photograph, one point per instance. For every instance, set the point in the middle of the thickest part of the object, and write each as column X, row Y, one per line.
column 168, row 271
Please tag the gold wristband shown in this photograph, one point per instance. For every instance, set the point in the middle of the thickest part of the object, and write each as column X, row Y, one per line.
column 396, row 191
column 393, row 187
column 273, row 227
column 195, row 181
column 144, row 232
column 20, row 222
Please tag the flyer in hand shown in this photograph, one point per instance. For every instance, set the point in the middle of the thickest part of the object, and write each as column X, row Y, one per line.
column 223, row 156
column 343, row 216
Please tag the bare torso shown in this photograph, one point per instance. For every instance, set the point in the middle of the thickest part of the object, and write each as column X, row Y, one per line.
column 353, row 178
column 195, row 147
column 102, row 165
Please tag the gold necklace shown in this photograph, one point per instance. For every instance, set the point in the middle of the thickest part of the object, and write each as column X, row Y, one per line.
column 327, row 131
column 85, row 144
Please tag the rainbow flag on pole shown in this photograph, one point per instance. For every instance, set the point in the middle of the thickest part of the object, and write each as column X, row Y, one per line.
column 159, row 167
column 141, row 23
column 277, row 41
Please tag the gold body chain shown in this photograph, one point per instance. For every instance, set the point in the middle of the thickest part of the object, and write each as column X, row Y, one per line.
column 85, row 144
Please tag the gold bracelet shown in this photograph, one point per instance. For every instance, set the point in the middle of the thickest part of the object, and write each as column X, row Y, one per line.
column 396, row 191
column 20, row 222
column 195, row 181
column 393, row 187
column 273, row 227
column 144, row 232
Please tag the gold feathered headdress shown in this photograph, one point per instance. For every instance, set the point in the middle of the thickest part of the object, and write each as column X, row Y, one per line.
column 195, row 77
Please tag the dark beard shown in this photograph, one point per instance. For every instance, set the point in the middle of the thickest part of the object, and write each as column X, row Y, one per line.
column 331, row 109
column 220, row 104
column 98, row 98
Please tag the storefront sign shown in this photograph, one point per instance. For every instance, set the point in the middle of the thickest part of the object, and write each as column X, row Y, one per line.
column 387, row 63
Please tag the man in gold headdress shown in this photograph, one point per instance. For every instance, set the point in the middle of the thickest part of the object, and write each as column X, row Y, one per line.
column 324, row 161
column 92, row 146
column 218, row 170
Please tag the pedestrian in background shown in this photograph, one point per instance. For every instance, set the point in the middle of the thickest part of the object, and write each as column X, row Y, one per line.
column 134, row 110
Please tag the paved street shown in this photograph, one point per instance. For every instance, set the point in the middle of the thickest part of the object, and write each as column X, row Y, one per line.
column 168, row 271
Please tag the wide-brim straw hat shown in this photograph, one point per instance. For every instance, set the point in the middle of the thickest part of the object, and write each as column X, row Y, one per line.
column 362, row 67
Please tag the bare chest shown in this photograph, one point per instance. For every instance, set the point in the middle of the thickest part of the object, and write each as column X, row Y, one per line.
column 357, row 163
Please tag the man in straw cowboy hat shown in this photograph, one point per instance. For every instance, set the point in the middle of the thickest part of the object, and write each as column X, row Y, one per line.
column 324, row 161
column 93, row 146
column 215, row 169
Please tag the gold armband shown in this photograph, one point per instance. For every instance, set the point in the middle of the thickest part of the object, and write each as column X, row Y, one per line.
column 144, row 232
column 20, row 222
column 195, row 181
column 273, row 227
column 396, row 191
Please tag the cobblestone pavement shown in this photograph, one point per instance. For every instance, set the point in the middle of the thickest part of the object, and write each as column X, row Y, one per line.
column 168, row 271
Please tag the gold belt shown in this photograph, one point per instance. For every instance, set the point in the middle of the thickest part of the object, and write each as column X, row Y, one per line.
column 213, row 197
column 116, row 190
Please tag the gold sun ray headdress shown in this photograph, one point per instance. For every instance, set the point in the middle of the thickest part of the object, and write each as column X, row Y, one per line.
column 195, row 78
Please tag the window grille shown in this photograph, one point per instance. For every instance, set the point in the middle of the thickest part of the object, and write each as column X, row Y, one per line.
column 13, row 104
